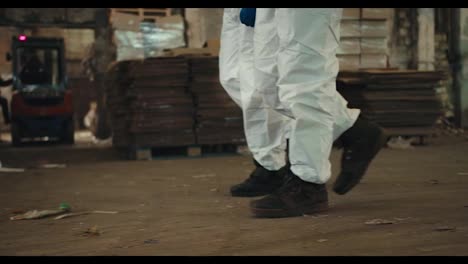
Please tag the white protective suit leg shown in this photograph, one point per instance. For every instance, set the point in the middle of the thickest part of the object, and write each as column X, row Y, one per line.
column 266, row 45
column 264, row 128
column 229, row 54
column 307, row 68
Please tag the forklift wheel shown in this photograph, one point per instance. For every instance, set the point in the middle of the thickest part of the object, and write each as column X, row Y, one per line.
column 69, row 133
column 15, row 134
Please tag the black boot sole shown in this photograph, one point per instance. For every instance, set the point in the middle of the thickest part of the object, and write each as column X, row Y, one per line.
column 282, row 213
column 351, row 183
column 250, row 194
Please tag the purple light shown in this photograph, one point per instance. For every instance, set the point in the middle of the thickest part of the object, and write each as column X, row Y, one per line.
column 22, row 38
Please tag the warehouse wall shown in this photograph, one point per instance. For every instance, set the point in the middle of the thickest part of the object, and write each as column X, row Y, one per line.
column 464, row 71
column 75, row 16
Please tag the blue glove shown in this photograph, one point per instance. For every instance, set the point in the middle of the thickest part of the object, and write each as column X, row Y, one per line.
column 247, row 16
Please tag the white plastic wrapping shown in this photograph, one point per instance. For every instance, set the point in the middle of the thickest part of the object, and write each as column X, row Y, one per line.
column 149, row 39
column 129, row 45
column 164, row 34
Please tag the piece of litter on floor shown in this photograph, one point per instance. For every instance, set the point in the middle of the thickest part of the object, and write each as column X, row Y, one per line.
column 84, row 213
column 5, row 169
column 400, row 143
column 462, row 173
column 37, row 214
column 315, row 216
column 322, row 240
column 204, row 176
column 401, row 219
column 444, row 228
column 214, row 190
column 434, row 182
column 92, row 231
column 229, row 206
column 379, row 222
column 53, row 166
column 151, row 241
column 243, row 150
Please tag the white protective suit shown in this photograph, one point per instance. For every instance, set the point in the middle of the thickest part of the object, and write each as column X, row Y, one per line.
column 265, row 129
column 295, row 74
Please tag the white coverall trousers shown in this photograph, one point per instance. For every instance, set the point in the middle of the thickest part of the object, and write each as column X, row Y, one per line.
column 295, row 69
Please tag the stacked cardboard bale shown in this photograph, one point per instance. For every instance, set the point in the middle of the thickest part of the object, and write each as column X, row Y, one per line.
column 150, row 104
column 117, row 83
column 218, row 118
column 403, row 101
column 364, row 38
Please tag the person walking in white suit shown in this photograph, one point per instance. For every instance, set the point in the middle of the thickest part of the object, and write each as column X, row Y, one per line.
column 280, row 66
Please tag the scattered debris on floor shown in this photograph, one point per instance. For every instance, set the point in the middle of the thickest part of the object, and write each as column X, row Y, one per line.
column 5, row 169
column 243, row 150
column 84, row 213
column 37, row 214
column 53, row 166
column 151, row 241
column 64, row 211
column 401, row 143
column 322, row 240
column 444, row 228
column 434, row 182
column 379, row 221
column 402, row 219
column 204, row 176
column 315, row 216
column 214, row 190
column 92, row 231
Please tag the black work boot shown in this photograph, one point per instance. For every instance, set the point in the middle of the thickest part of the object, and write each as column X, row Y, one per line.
column 295, row 198
column 261, row 182
column 361, row 144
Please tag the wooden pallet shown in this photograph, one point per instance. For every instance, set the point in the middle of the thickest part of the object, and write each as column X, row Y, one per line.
column 144, row 13
column 150, row 153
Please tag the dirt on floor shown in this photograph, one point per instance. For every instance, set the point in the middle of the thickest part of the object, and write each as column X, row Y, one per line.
column 181, row 206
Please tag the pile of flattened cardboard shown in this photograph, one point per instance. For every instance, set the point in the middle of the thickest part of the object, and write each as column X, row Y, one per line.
column 150, row 104
column 403, row 101
column 218, row 118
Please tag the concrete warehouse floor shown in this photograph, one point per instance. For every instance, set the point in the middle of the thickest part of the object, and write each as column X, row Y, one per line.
column 181, row 206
